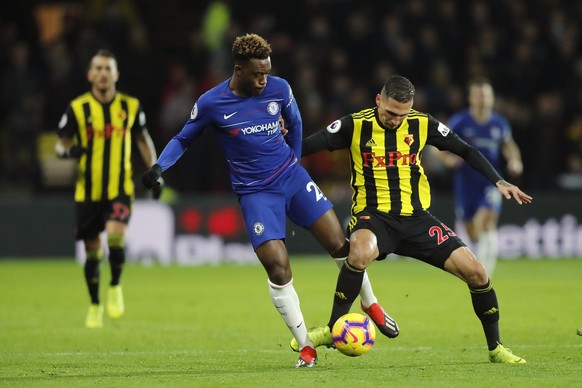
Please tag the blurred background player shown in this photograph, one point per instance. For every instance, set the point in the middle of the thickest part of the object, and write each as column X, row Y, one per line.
column 391, row 200
column 98, row 128
column 257, row 121
column 477, row 201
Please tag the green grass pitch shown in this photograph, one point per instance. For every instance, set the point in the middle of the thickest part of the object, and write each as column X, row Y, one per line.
column 215, row 326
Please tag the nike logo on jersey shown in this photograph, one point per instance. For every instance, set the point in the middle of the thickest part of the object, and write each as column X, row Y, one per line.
column 226, row 117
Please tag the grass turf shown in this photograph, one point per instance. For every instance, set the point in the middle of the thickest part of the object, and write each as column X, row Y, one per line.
column 215, row 326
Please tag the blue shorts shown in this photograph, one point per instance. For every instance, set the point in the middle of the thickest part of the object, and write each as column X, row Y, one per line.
column 294, row 195
column 470, row 197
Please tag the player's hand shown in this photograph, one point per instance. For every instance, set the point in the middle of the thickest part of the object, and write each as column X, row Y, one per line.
column 284, row 130
column 65, row 149
column 157, row 190
column 151, row 178
column 76, row 151
column 508, row 190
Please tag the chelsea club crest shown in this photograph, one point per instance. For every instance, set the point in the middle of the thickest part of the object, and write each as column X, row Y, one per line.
column 273, row 108
column 258, row 228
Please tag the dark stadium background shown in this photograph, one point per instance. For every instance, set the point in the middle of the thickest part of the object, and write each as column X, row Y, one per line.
column 335, row 54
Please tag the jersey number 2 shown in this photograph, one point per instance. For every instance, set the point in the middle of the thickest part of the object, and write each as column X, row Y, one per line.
column 442, row 235
column 313, row 187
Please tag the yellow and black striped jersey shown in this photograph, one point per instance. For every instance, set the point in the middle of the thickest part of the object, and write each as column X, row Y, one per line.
column 105, row 130
column 386, row 170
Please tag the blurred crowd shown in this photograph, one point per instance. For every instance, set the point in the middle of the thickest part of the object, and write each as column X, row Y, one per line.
column 335, row 53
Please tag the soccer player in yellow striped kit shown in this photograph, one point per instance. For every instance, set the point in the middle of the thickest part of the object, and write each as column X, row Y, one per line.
column 98, row 128
column 391, row 197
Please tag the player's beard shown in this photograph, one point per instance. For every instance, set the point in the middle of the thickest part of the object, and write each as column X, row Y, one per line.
column 390, row 126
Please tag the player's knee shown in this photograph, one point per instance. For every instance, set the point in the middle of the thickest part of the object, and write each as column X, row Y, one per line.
column 361, row 255
column 92, row 243
column 279, row 275
column 475, row 275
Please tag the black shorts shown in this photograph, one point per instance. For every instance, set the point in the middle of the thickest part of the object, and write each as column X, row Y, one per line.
column 92, row 216
column 421, row 236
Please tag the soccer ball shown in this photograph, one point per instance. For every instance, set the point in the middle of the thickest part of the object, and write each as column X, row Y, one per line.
column 353, row 334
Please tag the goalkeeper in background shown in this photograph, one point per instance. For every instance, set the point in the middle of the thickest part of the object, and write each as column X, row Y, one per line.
column 97, row 129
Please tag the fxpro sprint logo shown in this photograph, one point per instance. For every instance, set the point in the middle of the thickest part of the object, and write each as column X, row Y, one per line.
column 391, row 159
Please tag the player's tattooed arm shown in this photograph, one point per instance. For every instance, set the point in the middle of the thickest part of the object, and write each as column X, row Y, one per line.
column 508, row 191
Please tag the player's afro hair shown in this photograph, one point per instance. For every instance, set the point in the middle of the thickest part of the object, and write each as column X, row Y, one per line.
column 250, row 46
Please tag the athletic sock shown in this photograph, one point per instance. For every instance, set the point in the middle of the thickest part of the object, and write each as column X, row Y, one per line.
column 116, row 260
column 486, row 308
column 286, row 301
column 92, row 273
column 367, row 293
column 493, row 252
column 349, row 284
column 482, row 251
column 116, row 243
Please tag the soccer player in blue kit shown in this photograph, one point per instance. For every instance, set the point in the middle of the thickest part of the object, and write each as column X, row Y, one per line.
column 478, row 202
column 244, row 111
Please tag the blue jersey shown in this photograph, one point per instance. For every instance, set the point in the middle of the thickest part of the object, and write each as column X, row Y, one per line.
column 472, row 190
column 486, row 137
column 248, row 129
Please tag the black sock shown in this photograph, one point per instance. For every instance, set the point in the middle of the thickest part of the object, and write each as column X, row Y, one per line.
column 487, row 310
column 116, row 260
column 92, row 273
column 349, row 283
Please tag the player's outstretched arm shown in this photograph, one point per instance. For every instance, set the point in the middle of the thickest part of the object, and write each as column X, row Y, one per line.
column 508, row 190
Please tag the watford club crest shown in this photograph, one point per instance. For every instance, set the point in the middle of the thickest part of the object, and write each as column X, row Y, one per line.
column 409, row 139
column 122, row 115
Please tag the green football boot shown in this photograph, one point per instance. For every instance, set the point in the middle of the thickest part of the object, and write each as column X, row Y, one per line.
column 320, row 336
column 94, row 319
column 115, row 305
column 503, row 355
